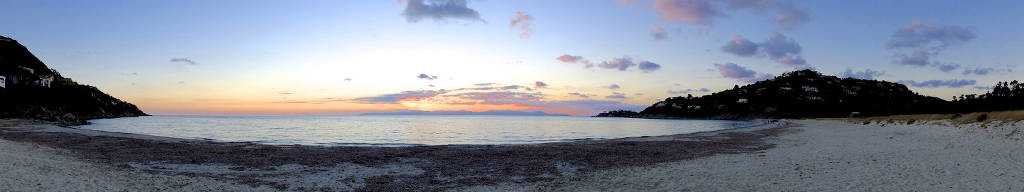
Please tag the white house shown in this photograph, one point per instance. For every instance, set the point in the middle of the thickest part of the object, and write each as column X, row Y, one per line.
column 3, row 82
column 741, row 100
column 810, row 89
column 45, row 82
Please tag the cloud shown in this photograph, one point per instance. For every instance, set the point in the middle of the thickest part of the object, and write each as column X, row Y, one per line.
column 483, row 84
column 523, row 21
column 954, row 83
column 647, row 66
column 658, row 33
column 688, row 91
column 616, row 95
column 498, row 98
column 978, row 71
column 284, row 92
column 513, row 87
column 184, row 60
column 416, row 10
column 626, row 2
column 947, row 67
column 918, row 58
column 740, row 47
column 864, row 75
column 348, row 79
column 590, row 106
column 426, row 77
column 932, row 36
column 539, row 84
column 704, row 12
column 566, row 58
column 698, row 12
column 749, row 4
column 402, row 96
column 621, row 64
column 613, row 86
column 778, row 47
column 788, row 16
column 581, row 95
column 739, row 73
column 925, row 41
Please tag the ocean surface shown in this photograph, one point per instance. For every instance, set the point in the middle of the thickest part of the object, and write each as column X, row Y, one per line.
column 403, row 130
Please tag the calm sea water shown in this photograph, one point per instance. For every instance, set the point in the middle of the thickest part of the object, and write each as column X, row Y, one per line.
column 403, row 130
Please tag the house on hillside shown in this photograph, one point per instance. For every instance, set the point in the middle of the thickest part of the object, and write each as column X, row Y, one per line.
column 19, row 76
column 44, row 81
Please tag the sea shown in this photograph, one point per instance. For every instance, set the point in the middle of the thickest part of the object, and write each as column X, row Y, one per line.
column 397, row 130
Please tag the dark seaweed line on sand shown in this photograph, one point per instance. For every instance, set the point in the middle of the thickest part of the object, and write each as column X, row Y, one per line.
column 445, row 166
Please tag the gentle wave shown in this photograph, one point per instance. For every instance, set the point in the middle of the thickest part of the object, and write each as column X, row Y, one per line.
column 403, row 130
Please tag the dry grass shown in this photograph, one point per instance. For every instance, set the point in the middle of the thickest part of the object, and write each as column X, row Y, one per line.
column 984, row 117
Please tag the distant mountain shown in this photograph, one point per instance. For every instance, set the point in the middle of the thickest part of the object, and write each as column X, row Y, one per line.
column 798, row 94
column 501, row 113
column 30, row 89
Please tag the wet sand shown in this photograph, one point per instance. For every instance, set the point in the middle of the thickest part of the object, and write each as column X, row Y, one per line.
column 249, row 166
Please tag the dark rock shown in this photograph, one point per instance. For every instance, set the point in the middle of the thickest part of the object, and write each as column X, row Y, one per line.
column 33, row 90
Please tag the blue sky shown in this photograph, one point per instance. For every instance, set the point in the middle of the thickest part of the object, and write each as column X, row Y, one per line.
column 271, row 57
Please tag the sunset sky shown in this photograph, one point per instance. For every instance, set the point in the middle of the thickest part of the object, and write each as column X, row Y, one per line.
column 577, row 57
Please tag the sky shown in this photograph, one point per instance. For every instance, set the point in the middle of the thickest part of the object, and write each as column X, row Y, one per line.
column 258, row 57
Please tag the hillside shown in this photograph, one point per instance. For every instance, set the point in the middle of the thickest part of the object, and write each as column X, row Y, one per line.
column 800, row 94
column 30, row 89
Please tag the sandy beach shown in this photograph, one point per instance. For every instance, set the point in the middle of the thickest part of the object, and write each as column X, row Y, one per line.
column 792, row 155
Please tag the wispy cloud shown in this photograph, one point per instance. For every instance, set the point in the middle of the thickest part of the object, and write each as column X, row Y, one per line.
column 621, row 63
column 866, row 74
column 705, row 12
column 184, row 60
column 580, row 95
column 739, row 73
column 426, row 77
column 688, row 91
column 616, row 95
column 573, row 59
column 740, row 47
column 403, row 96
column 647, row 66
column 658, row 33
column 698, row 12
column 613, row 86
column 789, row 16
column 925, row 41
column 416, row 10
column 522, row 20
column 978, row 71
column 947, row 67
column 778, row 47
column 539, row 84
column 954, row 83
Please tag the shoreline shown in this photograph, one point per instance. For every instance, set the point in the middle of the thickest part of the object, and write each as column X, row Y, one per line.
column 437, row 167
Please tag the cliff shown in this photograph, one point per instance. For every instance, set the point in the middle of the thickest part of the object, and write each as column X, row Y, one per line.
column 32, row 90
